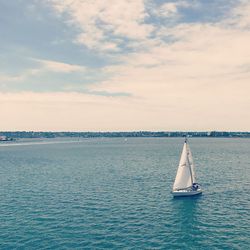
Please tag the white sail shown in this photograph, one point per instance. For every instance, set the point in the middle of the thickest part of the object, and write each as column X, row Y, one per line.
column 191, row 162
column 184, row 178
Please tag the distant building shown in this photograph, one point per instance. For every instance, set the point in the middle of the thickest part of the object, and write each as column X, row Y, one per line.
column 3, row 138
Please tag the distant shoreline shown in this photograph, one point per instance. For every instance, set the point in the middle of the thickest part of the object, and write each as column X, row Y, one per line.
column 12, row 135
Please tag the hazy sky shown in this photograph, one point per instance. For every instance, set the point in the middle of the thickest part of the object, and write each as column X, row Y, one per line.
column 122, row 65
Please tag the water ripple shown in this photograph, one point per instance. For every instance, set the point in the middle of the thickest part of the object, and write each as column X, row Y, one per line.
column 107, row 194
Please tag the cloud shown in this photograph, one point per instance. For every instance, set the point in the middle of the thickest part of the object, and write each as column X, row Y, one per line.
column 240, row 15
column 204, row 73
column 85, row 112
column 103, row 25
column 205, row 64
column 41, row 67
column 170, row 9
column 74, row 112
column 55, row 66
column 184, row 76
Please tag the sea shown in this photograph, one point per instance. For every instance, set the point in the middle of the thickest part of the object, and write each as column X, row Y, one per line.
column 115, row 193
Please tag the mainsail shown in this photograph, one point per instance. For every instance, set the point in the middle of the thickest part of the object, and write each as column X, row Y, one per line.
column 185, row 176
column 191, row 162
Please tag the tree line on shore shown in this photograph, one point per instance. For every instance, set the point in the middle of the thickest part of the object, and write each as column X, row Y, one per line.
column 31, row 134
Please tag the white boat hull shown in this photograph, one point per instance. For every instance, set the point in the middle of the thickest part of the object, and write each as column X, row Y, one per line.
column 178, row 193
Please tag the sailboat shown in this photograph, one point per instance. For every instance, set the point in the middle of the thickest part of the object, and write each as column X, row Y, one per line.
column 185, row 180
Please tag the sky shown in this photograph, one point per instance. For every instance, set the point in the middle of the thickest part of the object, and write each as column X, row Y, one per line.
column 127, row 65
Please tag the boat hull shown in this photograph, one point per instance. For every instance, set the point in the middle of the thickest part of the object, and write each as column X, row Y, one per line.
column 180, row 193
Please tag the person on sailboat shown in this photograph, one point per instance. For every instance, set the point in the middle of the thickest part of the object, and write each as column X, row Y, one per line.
column 195, row 186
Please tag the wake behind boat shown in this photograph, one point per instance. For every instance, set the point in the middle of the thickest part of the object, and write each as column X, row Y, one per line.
column 185, row 180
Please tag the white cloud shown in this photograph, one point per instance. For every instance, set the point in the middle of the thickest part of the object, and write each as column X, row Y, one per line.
column 204, row 74
column 98, row 21
column 170, row 111
column 170, row 10
column 74, row 112
column 198, row 81
column 240, row 15
column 56, row 66
column 44, row 67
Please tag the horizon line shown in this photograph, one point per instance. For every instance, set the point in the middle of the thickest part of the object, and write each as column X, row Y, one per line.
column 124, row 131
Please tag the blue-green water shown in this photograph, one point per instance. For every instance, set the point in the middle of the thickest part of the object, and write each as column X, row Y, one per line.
column 115, row 194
